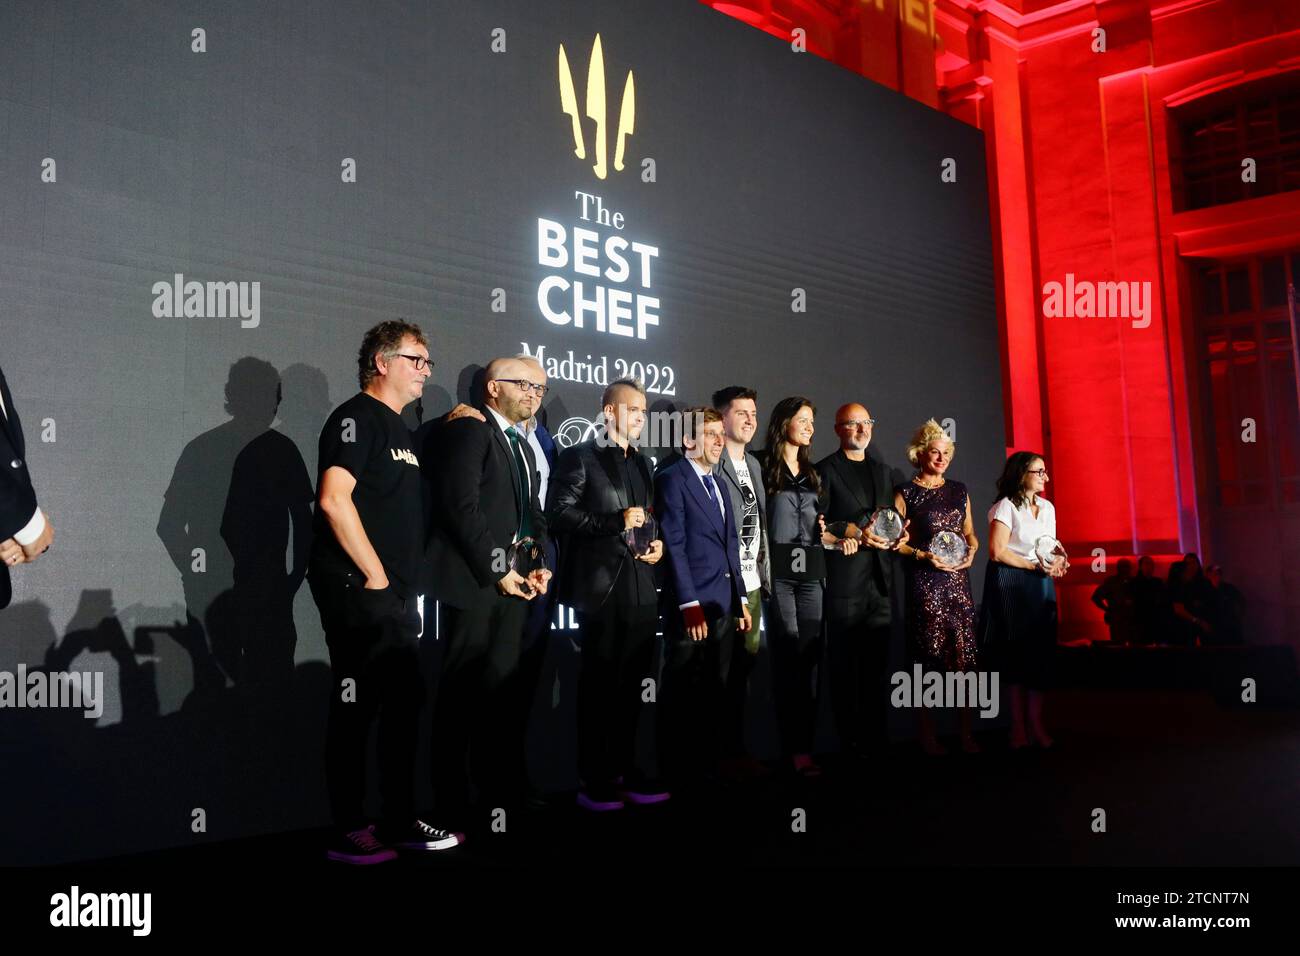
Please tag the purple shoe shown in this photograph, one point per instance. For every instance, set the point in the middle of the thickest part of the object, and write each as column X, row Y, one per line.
column 644, row 796
column 599, row 799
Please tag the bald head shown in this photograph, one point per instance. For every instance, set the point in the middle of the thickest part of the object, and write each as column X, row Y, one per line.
column 516, row 402
column 853, row 426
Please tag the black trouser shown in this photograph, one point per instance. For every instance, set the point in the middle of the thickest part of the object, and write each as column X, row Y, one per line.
column 475, row 723
column 618, row 642
column 532, row 659
column 857, row 637
column 742, row 665
column 692, row 700
column 373, row 643
column 794, row 627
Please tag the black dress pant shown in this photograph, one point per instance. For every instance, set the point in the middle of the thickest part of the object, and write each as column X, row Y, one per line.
column 476, row 727
column 795, row 638
column 373, row 644
column 618, row 643
column 693, row 698
column 857, row 636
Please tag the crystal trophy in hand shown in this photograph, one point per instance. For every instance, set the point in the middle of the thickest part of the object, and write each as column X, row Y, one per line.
column 949, row 547
column 886, row 523
column 525, row 558
column 1047, row 550
column 641, row 538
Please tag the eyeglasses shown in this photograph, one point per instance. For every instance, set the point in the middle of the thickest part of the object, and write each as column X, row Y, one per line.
column 1040, row 472
column 419, row 360
column 524, row 384
column 855, row 422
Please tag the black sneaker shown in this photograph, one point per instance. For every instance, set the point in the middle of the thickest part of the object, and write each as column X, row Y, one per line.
column 361, row 847
column 421, row 836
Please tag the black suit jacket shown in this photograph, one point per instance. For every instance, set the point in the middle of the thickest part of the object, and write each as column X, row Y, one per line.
column 849, row 576
column 474, row 506
column 588, row 498
column 17, row 496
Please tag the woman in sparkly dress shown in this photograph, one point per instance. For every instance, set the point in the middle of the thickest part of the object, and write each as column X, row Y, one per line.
column 940, row 614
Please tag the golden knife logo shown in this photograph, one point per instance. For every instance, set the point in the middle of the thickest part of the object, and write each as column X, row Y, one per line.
column 596, row 110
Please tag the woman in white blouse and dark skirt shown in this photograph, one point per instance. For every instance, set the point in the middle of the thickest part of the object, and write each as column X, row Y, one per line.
column 1018, row 614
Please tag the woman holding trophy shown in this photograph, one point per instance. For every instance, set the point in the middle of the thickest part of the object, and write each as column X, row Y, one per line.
column 940, row 614
column 1018, row 615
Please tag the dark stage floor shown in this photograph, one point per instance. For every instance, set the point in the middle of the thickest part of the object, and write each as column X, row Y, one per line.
column 1182, row 781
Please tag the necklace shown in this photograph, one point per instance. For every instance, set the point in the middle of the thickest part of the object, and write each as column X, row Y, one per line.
column 918, row 481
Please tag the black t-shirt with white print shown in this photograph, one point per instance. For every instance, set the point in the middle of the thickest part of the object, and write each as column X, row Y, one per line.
column 370, row 440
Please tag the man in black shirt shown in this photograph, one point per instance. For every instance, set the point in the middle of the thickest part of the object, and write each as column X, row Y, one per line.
column 602, row 488
column 857, row 587
column 363, row 574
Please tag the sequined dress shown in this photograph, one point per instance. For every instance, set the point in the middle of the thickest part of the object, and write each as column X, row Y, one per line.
column 940, row 614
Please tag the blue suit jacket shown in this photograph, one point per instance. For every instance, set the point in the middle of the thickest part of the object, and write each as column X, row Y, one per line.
column 701, row 545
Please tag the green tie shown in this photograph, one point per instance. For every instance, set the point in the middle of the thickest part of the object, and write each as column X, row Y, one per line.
column 521, row 466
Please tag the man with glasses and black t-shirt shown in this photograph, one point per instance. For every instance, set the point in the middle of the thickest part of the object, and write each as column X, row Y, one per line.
column 363, row 573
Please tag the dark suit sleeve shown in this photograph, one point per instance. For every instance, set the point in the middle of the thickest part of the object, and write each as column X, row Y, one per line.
column 566, row 514
column 17, row 500
column 463, row 445
column 17, row 497
column 670, row 507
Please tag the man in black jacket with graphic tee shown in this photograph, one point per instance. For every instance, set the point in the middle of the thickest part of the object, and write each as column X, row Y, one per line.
column 25, row 531
column 857, row 609
column 485, row 498
column 363, row 573
column 602, row 488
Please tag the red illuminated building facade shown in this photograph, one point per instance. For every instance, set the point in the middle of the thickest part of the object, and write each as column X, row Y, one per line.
column 1129, row 141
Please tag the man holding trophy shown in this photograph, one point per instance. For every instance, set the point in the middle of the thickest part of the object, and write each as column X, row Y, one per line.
column 487, row 552
column 602, row 503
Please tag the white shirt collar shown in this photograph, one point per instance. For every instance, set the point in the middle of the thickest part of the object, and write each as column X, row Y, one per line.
column 502, row 422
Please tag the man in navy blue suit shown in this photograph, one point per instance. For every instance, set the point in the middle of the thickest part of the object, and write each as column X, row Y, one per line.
column 25, row 530
column 703, row 599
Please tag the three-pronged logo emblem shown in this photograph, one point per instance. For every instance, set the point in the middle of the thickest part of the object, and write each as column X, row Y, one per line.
column 595, row 110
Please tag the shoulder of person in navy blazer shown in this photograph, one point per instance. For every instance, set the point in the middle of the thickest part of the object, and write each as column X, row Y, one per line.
column 701, row 545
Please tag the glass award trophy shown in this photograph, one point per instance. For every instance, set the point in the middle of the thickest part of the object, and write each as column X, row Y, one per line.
column 1047, row 549
column 949, row 547
column 526, row 556
column 886, row 523
column 640, row 540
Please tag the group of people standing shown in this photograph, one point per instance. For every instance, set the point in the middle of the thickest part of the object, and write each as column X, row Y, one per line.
column 1190, row 607
column 738, row 537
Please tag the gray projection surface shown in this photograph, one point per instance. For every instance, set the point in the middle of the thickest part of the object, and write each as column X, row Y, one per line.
column 150, row 438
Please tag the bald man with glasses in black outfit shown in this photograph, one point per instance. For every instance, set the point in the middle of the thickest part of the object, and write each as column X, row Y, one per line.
column 857, row 608
column 485, row 498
